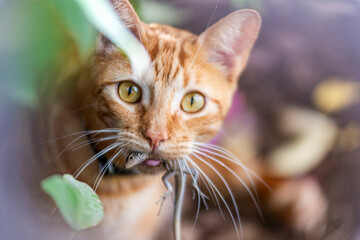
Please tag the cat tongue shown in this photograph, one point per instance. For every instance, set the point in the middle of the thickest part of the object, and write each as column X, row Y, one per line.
column 152, row 162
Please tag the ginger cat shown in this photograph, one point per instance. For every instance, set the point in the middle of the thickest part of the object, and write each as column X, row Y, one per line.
column 169, row 113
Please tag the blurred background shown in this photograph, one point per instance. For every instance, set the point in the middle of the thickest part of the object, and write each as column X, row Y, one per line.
column 307, row 55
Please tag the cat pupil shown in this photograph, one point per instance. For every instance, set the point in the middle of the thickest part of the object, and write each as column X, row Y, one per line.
column 192, row 100
column 130, row 90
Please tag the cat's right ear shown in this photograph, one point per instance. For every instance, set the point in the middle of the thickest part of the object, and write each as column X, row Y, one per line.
column 128, row 16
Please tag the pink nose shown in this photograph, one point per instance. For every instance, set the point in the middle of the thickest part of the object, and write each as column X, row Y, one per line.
column 155, row 138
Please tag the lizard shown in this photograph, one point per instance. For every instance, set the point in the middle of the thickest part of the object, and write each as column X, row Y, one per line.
column 179, row 170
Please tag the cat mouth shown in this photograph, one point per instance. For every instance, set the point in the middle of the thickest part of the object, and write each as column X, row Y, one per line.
column 145, row 162
column 136, row 163
column 152, row 162
column 111, row 169
column 147, row 159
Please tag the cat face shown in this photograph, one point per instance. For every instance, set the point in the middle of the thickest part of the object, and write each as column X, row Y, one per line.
column 184, row 95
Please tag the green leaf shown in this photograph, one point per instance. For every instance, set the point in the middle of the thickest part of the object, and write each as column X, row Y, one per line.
column 77, row 202
column 254, row 4
column 161, row 12
column 76, row 25
column 48, row 41
column 104, row 18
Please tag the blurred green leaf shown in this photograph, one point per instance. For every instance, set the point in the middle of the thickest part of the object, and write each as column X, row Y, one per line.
column 77, row 202
column 50, row 40
column 42, row 42
column 254, row 4
column 76, row 25
column 159, row 12
column 136, row 4
column 103, row 16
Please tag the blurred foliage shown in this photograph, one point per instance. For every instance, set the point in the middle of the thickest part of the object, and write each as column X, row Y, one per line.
column 46, row 41
column 105, row 19
column 42, row 41
column 254, row 4
column 75, row 25
column 159, row 12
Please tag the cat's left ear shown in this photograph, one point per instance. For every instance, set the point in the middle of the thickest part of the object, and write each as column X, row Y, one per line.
column 229, row 41
column 128, row 16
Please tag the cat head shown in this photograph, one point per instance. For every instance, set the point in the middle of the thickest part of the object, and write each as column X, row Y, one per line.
column 185, row 94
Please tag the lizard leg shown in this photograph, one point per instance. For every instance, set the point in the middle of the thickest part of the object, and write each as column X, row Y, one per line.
column 168, row 186
column 195, row 175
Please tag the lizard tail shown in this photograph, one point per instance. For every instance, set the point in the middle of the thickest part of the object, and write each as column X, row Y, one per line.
column 180, row 183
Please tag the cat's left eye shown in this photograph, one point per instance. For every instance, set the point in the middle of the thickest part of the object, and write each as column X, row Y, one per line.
column 193, row 102
column 129, row 92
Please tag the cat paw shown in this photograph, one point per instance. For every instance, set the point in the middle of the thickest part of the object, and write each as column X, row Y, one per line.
column 301, row 205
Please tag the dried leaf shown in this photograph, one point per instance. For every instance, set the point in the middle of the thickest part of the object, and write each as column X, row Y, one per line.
column 334, row 95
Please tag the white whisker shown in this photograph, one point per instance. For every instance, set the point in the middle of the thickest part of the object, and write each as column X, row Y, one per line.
column 210, row 191
column 208, row 24
column 198, row 195
column 222, row 198
column 103, row 170
column 84, row 133
column 231, row 157
column 240, row 180
column 93, row 158
column 94, row 140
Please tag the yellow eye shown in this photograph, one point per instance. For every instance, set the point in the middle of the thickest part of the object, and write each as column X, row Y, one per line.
column 193, row 102
column 129, row 92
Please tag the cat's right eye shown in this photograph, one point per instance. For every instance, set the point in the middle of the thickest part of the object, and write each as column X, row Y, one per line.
column 129, row 92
